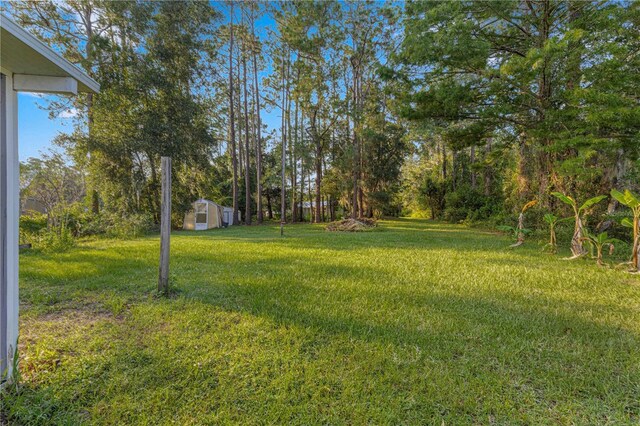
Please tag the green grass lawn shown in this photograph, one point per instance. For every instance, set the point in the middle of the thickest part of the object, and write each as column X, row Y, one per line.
column 414, row 323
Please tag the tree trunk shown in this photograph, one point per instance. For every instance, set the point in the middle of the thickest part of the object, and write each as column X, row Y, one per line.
column 288, row 127
column 519, row 231
column 472, row 161
column 444, row 160
column 155, row 189
column 318, row 165
column 521, row 228
column 576, row 241
column 302, row 171
column 256, row 94
column 635, row 256
column 356, row 139
column 165, row 227
column 269, row 206
column 613, row 176
column 247, row 177
column 87, row 12
column 294, row 162
column 454, row 166
column 232, row 130
column 545, row 159
column 487, row 169
column 311, row 207
column 524, row 168
column 332, row 209
column 283, row 195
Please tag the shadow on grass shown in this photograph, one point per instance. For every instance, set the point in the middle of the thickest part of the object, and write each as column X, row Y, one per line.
column 524, row 351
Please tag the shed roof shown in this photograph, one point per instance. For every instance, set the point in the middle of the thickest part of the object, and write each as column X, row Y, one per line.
column 22, row 53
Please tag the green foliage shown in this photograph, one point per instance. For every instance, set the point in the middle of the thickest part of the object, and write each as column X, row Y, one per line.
column 579, row 211
column 626, row 198
column 467, row 204
column 514, row 231
column 591, row 202
column 599, row 242
column 633, row 202
column 36, row 230
column 120, row 226
column 434, row 193
column 53, row 240
column 565, row 199
column 30, row 225
column 561, row 98
column 551, row 219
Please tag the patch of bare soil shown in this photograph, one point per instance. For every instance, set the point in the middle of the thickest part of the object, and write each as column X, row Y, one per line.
column 39, row 353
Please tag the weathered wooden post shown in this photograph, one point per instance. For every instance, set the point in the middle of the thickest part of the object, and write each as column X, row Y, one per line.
column 165, row 226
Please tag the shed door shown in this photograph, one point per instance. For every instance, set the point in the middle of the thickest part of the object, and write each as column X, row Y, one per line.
column 202, row 216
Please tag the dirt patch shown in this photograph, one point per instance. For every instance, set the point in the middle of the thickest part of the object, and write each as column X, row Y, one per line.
column 39, row 352
column 352, row 225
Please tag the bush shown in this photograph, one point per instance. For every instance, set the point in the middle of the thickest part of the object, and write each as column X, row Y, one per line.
column 467, row 204
column 31, row 225
column 135, row 225
column 77, row 221
column 48, row 239
column 434, row 192
column 55, row 240
column 120, row 226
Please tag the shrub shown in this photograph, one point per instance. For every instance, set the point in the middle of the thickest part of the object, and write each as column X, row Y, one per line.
column 31, row 225
column 55, row 239
column 123, row 226
column 434, row 193
column 468, row 204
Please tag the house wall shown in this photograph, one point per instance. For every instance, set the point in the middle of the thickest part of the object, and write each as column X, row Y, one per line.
column 9, row 218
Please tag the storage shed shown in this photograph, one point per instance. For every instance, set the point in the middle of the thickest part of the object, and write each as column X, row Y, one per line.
column 227, row 216
column 205, row 214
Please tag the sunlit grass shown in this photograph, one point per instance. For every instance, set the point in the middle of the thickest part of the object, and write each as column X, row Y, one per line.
column 415, row 323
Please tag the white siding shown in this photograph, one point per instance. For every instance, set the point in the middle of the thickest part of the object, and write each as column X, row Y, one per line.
column 13, row 207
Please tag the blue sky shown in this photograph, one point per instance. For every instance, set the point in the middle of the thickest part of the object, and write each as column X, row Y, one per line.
column 35, row 130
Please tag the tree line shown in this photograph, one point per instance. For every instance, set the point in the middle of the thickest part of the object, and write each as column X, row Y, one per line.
column 311, row 110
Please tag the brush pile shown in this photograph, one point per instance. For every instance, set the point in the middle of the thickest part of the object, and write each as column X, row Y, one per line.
column 352, row 225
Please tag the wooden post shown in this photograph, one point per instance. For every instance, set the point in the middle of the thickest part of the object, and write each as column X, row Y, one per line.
column 165, row 226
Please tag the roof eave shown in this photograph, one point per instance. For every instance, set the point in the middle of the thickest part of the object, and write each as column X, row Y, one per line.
column 85, row 83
